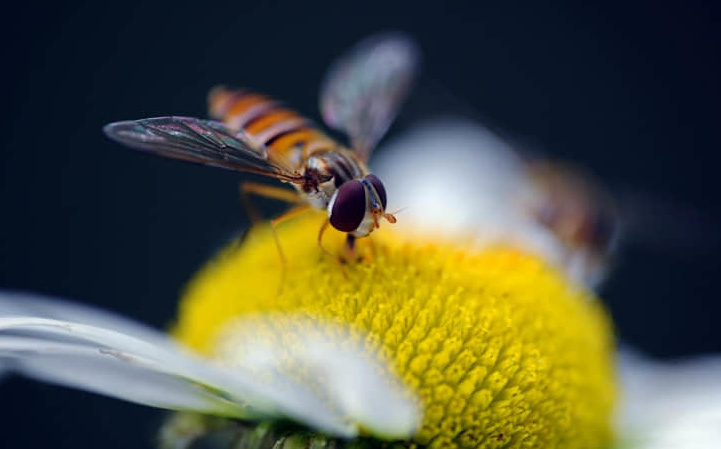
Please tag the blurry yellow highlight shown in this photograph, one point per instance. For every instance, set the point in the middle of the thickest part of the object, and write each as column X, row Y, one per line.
column 502, row 350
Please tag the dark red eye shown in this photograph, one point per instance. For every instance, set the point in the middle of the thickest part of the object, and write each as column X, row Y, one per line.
column 380, row 188
column 349, row 207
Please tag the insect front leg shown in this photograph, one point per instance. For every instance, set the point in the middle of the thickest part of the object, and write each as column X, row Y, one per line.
column 350, row 248
column 335, row 257
column 277, row 193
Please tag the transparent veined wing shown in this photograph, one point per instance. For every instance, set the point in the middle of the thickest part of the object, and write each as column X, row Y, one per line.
column 204, row 142
column 364, row 89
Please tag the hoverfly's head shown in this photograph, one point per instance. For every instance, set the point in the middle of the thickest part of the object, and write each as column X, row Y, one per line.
column 357, row 205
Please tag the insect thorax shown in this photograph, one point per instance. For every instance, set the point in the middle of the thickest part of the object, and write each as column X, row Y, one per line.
column 332, row 168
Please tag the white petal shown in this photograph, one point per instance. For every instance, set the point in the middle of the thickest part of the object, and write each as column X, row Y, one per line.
column 80, row 346
column 670, row 405
column 317, row 362
column 88, row 325
column 149, row 368
column 386, row 409
column 449, row 174
column 108, row 373
column 453, row 177
column 29, row 304
column 239, row 385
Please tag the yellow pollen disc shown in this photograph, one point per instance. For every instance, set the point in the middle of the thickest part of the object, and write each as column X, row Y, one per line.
column 501, row 348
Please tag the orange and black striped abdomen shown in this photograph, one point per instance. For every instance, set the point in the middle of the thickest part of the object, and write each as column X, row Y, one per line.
column 267, row 121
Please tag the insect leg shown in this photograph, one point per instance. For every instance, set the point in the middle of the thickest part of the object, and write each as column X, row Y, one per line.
column 278, row 193
column 350, row 248
column 334, row 256
column 323, row 227
column 264, row 190
column 275, row 222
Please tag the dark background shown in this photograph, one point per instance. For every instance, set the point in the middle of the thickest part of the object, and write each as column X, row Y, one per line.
column 631, row 91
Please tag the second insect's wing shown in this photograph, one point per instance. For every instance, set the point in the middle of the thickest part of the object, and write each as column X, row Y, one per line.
column 364, row 89
column 200, row 141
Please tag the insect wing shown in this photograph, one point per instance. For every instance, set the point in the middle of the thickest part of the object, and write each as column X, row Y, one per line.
column 200, row 141
column 364, row 89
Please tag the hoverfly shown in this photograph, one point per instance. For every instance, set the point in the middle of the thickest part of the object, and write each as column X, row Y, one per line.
column 579, row 212
column 361, row 95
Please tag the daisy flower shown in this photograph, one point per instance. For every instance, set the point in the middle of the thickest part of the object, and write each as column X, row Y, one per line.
column 469, row 324
column 421, row 341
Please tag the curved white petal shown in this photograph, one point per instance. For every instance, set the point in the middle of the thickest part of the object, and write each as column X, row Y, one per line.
column 132, row 362
column 51, row 350
column 56, row 321
column 311, row 358
column 670, row 405
column 385, row 409
column 106, row 372
column 14, row 303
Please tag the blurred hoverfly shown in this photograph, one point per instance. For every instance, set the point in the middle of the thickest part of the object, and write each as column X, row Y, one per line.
column 361, row 95
column 579, row 211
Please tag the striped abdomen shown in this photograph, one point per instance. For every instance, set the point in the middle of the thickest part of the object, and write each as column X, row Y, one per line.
column 268, row 122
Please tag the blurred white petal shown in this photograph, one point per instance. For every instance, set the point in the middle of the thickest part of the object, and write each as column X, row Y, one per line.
column 455, row 178
column 318, row 359
column 449, row 175
column 126, row 360
column 452, row 177
column 670, row 405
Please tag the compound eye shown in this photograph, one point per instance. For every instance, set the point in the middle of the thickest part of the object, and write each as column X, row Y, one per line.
column 348, row 206
column 380, row 188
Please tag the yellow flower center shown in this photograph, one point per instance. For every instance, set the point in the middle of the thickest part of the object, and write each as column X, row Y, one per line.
column 502, row 349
